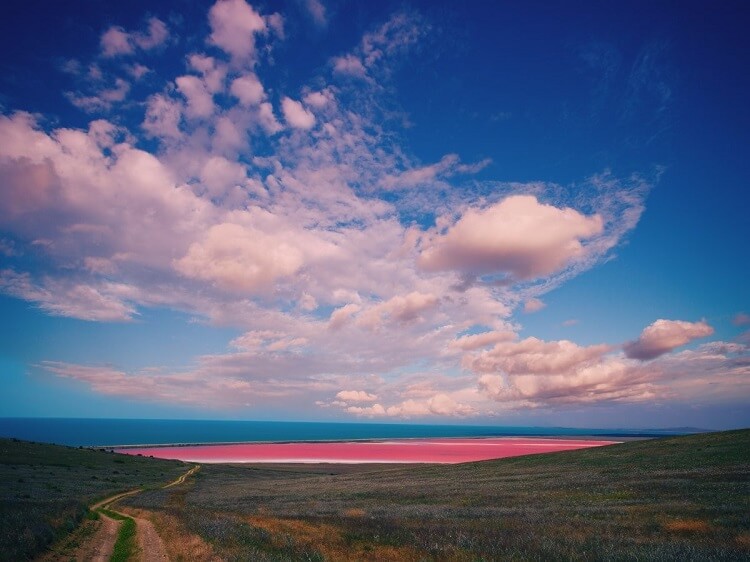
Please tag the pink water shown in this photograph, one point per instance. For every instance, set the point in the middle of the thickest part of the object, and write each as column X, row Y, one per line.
column 391, row 451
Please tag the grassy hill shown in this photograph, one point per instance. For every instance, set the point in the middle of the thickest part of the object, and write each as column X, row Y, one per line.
column 45, row 489
column 683, row 498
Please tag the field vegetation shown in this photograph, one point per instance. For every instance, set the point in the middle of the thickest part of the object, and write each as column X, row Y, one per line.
column 45, row 490
column 684, row 498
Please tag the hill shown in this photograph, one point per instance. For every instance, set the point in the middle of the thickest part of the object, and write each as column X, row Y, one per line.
column 681, row 498
column 45, row 490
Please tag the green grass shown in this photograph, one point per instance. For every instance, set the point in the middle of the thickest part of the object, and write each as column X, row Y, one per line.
column 683, row 498
column 125, row 547
column 45, row 490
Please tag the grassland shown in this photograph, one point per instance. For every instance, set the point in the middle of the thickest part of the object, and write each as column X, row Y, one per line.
column 45, row 490
column 684, row 498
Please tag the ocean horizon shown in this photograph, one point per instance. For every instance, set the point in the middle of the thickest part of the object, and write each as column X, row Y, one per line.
column 110, row 432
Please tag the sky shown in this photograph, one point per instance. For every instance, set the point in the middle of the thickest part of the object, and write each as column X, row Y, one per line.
column 513, row 213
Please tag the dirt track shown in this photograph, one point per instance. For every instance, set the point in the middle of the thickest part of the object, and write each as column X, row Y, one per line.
column 151, row 547
column 99, row 545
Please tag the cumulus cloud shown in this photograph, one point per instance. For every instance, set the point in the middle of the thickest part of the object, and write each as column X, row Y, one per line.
column 535, row 356
column 665, row 335
column 296, row 115
column 518, row 236
column 356, row 396
column 104, row 98
column 248, row 89
column 241, row 259
column 200, row 101
column 741, row 319
column 234, row 25
column 116, row 41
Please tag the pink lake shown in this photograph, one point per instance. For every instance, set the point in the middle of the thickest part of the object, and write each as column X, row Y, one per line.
column 388, row 451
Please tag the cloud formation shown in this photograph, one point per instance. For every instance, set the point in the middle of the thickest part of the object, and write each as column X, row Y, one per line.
column 665, row 335
column 118, row 42
column 519, row 236
column 288, row 214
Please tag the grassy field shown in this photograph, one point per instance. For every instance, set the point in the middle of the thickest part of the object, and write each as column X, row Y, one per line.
column 683, row 498
column 45, row 490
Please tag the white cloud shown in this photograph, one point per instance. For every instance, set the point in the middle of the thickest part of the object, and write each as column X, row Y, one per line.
column 533, row 305
column 518, row 236
column 267, row 119
column 104, row 98
column 116, row 41
column 248, row 89
column 241, row 259
column 356, row 396
column 156, row 35
column 234, row 25
column 665, row 335
column 162, row 118
column 398, row 309
column 75, row 300
column 349, row 65
column 219, row 174
column 341, row 315
column 200, row 102
column 212, row 72
column 449, row 165
column 317, row 12
column 296, row 115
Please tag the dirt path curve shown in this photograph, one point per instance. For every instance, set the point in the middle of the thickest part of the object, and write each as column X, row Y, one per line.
column 150, row 546
column 182, row 478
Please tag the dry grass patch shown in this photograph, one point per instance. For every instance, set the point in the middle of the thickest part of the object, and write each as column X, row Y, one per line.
column 329, row 541
column 181, row 544
column 687, row 526
column 355, row 512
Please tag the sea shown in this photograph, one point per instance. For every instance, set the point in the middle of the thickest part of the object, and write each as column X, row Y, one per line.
column 114, row 432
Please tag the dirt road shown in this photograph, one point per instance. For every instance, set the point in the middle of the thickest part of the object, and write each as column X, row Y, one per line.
column 99, row 544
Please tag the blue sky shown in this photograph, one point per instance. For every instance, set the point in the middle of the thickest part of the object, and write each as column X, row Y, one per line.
column 516, row 213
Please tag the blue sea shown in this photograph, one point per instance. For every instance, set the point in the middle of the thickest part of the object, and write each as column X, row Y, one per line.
column 110, row 432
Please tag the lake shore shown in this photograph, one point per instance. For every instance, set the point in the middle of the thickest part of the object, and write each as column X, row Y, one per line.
column 396, row 451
